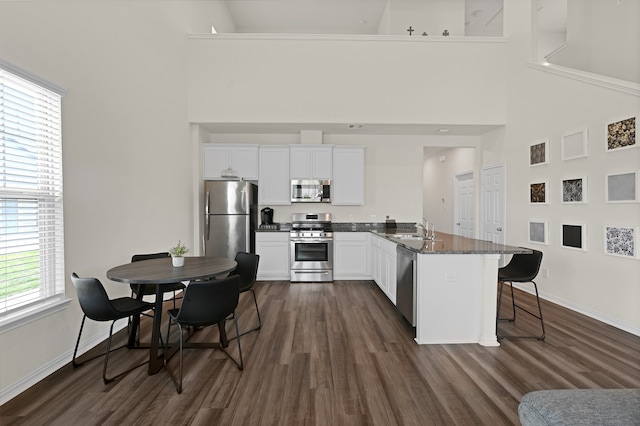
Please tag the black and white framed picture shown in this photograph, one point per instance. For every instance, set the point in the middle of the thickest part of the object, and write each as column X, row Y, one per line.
column 539, row 153
column 539, row 192
column 574, row 190
column 622, row 134
column 574, row 236
column 621, row 187
column 538, row 232
column 575, row 145
column 621, row 241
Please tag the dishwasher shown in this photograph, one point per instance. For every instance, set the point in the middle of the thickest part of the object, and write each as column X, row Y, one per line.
column 406, row 283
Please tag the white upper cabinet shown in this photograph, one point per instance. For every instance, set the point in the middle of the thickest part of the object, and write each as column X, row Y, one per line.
column 311, row 161
column 241, row 158
column 347, row 187
column 274, row 181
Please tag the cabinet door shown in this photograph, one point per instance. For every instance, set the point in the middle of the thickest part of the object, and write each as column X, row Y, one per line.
column 391, row 260
column 311, row 162
column 244, row 160
column 348, row 176
column 321, row 162
column 215, row 160
column 350, row 255
column 273, row 248
column 273, row 180
column 300, row 162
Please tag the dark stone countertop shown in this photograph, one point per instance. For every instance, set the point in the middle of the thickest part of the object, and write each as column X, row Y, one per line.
column 444, row 244
column 452, row 244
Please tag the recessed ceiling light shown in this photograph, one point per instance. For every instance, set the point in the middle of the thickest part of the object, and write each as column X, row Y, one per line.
column 443, row 130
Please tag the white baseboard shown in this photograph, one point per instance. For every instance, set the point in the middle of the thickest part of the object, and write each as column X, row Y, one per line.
column 584, row 311
column 54, row 365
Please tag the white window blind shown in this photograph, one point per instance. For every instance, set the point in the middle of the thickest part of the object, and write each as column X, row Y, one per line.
column 31, row 222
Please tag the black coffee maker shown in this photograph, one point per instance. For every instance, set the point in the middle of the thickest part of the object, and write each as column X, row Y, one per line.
column 266, row 216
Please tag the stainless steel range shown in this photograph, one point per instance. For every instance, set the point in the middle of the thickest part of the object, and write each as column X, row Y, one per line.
column 311, row 240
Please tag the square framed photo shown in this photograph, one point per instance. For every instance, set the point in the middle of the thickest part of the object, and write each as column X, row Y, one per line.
column 538, row 232
column 539, row 192
column 575, row 145
column 622, row 134
column 574, row 236
column 539, row 153
column 574, row 190
column 622, row 187
column 621, row 241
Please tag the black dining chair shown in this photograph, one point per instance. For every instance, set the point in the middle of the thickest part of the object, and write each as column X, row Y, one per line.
column 247, row 270
column 522, row 268
column 141, row 290
column 96, row 305
column 206, row 303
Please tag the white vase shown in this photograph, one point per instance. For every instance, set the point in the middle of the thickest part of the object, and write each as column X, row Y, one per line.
column 177, row 261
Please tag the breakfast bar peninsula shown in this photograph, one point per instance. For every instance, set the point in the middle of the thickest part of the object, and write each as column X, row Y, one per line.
column 454, row 286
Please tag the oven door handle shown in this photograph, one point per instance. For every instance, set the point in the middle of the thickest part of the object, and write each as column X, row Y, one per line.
column 314, row 240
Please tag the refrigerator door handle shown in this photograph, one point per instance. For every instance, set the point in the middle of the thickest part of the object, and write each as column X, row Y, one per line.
column 206, row 217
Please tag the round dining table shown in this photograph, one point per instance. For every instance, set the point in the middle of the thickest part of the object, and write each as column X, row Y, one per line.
column 159, row 272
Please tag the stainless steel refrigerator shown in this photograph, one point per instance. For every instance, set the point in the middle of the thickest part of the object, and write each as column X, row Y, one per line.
column 230, row 217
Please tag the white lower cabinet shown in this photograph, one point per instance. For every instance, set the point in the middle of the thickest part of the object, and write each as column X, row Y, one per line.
column 383, row 265
column 350, row 256
column 273, row 248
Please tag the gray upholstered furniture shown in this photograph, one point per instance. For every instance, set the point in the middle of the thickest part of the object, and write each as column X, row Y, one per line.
column 583, row 407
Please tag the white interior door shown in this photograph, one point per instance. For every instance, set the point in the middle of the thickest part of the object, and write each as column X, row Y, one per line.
column 464, row 205
column 493, row 204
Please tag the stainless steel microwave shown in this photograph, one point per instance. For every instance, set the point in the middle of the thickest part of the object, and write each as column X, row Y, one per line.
column 310, row 191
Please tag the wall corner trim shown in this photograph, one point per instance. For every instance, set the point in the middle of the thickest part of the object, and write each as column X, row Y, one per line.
column 587, row 77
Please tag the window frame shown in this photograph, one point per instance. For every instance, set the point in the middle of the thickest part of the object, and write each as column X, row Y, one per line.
column 52, row 276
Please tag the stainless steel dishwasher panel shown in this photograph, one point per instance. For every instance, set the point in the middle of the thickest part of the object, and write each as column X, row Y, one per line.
column 406, row 283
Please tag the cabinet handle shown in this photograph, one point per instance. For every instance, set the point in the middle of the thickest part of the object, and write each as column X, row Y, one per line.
column 499, row 229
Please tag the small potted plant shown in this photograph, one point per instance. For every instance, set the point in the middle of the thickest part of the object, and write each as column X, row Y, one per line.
column 177, row 254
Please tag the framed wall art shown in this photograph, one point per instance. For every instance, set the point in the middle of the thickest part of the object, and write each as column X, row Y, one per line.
column 622, row 134
column 574, row 236
column 539, row 192
column 539, row 153
column 621, row 241
column 575, row 145
column 621, row 187
column 538, row 232
column 574, row 190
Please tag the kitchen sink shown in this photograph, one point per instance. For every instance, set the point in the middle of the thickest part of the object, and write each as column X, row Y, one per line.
column 409, row 236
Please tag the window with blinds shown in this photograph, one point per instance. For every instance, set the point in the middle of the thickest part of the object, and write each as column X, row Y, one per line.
column 31, row 222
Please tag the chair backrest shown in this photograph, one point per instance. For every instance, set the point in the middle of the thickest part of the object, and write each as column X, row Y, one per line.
column 524, row 267
column 93, row 299
column 146, row 289
column 139, row 257
column 247, row 269
column 209, row 302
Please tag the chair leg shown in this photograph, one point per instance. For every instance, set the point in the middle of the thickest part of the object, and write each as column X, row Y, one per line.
column 106, row 356
column 255, row 302
column 514, row 306
column 75, row 351
column 240, row 364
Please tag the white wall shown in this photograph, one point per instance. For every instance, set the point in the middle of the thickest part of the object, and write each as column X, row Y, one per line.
column 542, row 105
column 438, row 184
column 363, row 80
column 126, row 148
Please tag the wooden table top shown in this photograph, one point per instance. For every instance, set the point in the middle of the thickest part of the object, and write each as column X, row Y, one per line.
column 161, row 271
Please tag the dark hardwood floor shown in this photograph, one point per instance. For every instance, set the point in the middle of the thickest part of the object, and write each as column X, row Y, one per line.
column 337, row 354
